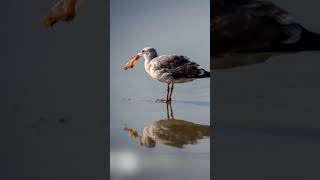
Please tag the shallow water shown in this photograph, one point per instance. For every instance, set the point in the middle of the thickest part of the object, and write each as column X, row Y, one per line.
column 138, row 109
column 144, row 142
column 164, row 160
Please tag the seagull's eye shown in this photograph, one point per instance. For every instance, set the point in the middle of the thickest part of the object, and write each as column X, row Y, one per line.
column 143, row 51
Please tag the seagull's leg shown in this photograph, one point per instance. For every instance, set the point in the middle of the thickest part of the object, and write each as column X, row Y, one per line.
column 171, row 112
column 171, row 91
column 168, row 115
column 168, row 92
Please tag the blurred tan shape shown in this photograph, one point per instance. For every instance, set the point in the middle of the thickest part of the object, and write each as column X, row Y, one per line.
column 132, row 133
column 63, row 10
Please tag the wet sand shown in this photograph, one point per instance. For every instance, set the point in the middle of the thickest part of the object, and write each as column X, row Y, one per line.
column 266, row 115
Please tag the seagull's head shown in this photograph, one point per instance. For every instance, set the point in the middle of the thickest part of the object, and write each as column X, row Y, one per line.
column 148, row 53
column 147, row 142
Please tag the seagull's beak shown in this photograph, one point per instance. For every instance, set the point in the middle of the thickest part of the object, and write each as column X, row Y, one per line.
column 140, row 54
column 132, row 62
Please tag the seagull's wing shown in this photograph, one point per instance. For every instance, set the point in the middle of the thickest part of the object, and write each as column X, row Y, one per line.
column 63, row 10
column 239, row 25
column 178, row 67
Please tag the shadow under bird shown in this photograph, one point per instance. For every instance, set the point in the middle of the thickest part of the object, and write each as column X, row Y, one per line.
column 171, row 132
column 169, row 69
column 246, row 32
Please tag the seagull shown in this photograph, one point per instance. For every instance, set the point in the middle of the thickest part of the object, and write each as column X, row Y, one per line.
column 251, row 31
column 170, row 69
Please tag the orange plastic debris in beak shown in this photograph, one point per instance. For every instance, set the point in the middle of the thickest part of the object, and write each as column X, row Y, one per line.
column 132, row 133
column 132, row 62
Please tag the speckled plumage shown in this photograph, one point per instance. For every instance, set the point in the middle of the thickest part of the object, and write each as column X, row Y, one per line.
column 174, row 69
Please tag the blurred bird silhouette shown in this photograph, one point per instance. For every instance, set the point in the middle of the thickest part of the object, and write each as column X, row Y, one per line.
column 246, row 32
column 62, row 10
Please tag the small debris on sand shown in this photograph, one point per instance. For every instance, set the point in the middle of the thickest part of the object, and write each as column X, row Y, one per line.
column 38, row 122
column 62, row 120
column 126, row 99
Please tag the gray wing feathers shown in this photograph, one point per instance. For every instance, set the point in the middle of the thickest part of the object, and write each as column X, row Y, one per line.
column 178, row 66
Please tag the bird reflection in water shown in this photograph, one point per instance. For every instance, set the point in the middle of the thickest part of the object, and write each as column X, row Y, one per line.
column 171, row 132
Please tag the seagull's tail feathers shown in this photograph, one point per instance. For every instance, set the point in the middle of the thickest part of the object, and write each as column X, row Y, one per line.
column 309, row 41
column 206, row 74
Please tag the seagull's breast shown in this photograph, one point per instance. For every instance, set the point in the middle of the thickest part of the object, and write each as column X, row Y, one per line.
column 149, row 67
column 156, row 73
